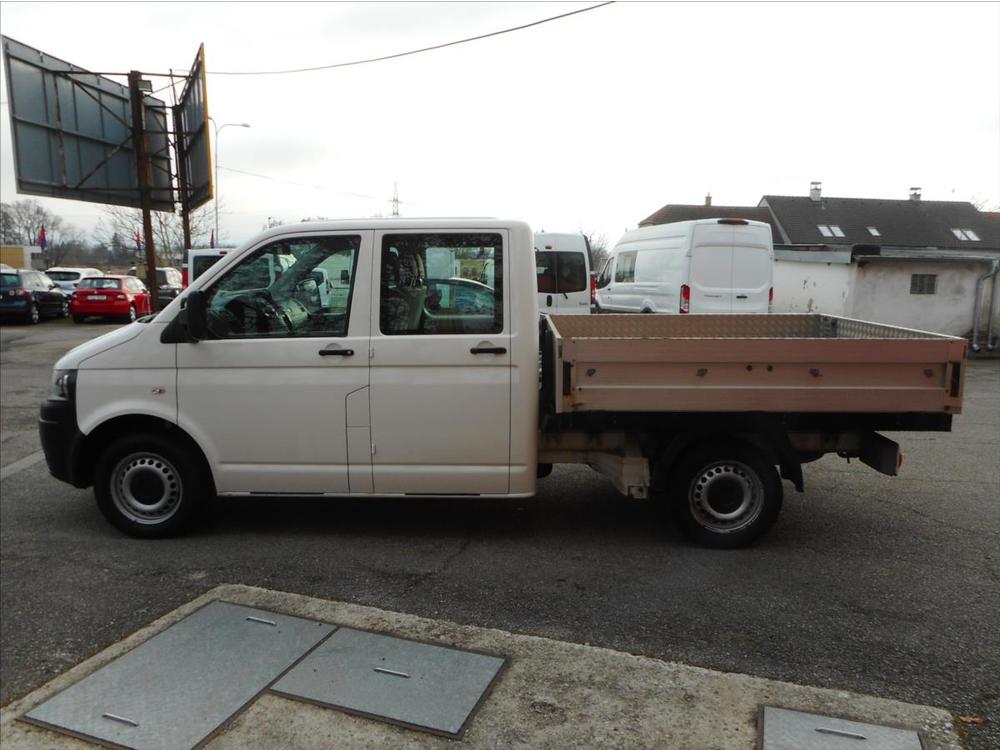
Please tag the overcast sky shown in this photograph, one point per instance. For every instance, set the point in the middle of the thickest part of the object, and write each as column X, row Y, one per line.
column 590, row 122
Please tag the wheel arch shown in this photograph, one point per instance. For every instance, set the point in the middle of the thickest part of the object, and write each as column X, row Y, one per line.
column 774, row 444
column 130, row 424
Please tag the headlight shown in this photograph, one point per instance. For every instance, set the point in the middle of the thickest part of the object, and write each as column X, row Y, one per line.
column 63, row 386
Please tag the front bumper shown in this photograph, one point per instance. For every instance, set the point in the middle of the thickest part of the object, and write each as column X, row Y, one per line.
column 62, row 441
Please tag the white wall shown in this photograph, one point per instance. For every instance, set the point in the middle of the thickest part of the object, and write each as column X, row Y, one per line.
column 801, row 287
column 879, row 290
column 882, row 294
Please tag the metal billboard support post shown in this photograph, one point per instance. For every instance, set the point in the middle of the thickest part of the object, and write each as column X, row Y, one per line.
column 182, row 180
column 142, row 166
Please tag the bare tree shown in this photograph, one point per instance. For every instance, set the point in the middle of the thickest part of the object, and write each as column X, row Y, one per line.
column 21, row 221
column 599, row 250
column 117, row 228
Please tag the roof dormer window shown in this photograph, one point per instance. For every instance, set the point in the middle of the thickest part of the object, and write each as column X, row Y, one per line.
column 830, row 230
column 965, row 234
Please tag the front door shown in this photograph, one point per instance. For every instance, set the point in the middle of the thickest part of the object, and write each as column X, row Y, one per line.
column 441, row 363
column 267, row 393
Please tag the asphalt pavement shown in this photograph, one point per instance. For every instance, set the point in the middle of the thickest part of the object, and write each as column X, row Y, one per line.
column 878, row 585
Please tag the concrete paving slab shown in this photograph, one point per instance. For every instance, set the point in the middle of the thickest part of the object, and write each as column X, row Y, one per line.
column 552, row 695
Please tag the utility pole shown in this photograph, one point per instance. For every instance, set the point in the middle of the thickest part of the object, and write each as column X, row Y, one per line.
column 143, row 167
column 395, row 200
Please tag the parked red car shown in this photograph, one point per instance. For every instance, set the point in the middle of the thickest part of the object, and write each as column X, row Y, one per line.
column 123, row 297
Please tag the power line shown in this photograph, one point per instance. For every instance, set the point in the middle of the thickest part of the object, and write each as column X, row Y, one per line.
column 405, row 54
column 306, row 185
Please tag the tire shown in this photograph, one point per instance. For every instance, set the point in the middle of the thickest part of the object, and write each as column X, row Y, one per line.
column 151, row 487
column 130, row 318
column 33, row 315
column 79, row 318
column 724, row 494
column 64, row 310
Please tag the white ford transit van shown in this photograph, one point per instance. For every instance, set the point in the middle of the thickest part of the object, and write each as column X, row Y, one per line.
column 702, row 266
column 562, row 271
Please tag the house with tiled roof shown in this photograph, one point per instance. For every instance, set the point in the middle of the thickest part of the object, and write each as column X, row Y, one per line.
column 930, row 265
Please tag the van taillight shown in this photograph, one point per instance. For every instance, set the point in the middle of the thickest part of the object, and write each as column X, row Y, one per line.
column 593, row 289
column 685, row 299
column 184, row 276
column 770, row 299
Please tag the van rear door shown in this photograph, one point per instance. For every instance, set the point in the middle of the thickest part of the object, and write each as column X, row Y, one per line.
column 753, row 269
column 711, row 270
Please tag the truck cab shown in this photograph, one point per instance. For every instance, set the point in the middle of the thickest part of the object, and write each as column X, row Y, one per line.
column 393, row 382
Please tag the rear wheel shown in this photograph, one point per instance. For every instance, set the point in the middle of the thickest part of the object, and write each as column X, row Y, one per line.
column 150, row 487
column 33, row 315
column 64, row 309
column 724, row 494
column 131, row 314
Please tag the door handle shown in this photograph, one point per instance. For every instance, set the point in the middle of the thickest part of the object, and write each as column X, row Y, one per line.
column 336, row 352
column 548, row 301
column 488, row 350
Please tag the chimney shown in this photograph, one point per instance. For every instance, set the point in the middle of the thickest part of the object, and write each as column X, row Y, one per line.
column 708, row 199
column 815, row 189
column 915, row 194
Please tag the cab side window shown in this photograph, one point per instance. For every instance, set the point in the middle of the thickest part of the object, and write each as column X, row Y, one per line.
column 289, row 288
column 441, row 284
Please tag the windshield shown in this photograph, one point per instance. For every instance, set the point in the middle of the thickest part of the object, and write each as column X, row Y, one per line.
column 99, row 283
column 63, row 275
column 8, row 280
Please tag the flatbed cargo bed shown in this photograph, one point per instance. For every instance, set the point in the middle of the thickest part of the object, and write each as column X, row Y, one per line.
column 748, row 363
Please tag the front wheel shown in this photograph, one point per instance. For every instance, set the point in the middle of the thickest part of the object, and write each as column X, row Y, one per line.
column 150, row 487
column 724, row 494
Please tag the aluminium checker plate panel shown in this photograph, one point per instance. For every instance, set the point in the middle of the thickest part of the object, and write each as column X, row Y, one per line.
column 416, row 685
column 176, row 689
column 784, row 729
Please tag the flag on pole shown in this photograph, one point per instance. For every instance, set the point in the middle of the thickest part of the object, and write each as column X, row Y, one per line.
column 211, row 242
column 41, row 241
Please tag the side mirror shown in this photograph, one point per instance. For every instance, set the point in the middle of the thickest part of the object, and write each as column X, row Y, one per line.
column 195, row 316
column 345, row 277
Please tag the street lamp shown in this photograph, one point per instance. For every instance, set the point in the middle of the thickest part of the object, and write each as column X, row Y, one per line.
column 217, row 128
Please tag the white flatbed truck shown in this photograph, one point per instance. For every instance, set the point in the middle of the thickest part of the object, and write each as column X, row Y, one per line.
column 420, row 386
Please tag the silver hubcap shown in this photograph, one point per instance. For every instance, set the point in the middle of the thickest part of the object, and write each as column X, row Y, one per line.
column 34, row 314
column 726, row 496
column 146, row 488
column 131, row 313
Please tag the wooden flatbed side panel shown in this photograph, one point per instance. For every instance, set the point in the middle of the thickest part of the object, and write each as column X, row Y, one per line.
column 781, row 363
column 813, row 352
column 682, row 398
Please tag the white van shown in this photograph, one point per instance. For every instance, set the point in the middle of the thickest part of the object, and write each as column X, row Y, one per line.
column 562, row 272
column 702, row 266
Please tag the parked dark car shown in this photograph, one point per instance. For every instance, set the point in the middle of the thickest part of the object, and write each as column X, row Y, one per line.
column 170, row 283
column 30, row 296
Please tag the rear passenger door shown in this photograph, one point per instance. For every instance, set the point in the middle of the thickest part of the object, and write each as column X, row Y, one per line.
column 440, row 362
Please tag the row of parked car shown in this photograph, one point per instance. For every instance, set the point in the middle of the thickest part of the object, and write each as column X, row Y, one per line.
column 30, row 296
